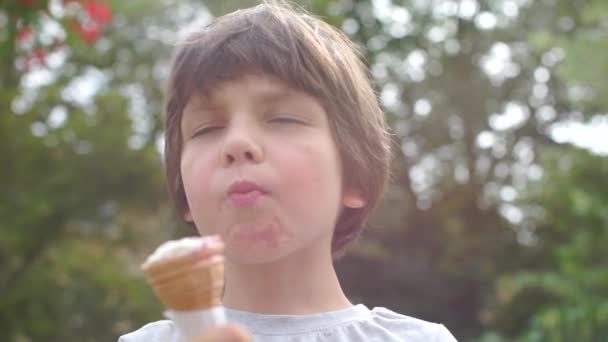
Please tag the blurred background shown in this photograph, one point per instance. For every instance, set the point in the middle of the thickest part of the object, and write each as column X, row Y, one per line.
column 495, row 222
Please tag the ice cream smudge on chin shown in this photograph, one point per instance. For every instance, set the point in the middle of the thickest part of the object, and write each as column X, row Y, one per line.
column 269, row 235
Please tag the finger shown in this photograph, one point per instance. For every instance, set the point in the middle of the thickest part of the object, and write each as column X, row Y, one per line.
column 210, row 246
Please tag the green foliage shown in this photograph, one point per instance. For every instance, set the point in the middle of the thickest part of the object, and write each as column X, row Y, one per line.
column 81, row 187
column 560, row 290
column 78, row 288
column 567, row 265
column 584, row 43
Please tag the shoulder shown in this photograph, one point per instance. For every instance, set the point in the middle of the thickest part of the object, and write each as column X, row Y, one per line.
column 164, row 331
column 409, row 328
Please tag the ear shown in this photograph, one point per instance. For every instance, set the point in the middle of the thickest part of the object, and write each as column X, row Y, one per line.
column 188, row 216
column 353, row 199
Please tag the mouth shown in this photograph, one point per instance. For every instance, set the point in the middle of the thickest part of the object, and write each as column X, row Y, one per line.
column 242, row 194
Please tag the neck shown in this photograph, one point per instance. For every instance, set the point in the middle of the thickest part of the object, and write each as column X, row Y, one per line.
column 295, row 285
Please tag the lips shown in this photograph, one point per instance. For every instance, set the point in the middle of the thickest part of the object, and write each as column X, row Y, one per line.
column 244, row 194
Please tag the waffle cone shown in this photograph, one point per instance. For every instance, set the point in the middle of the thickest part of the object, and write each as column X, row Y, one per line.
column 183, row 285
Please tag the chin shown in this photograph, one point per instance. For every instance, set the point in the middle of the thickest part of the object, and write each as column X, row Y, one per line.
column 254, row 255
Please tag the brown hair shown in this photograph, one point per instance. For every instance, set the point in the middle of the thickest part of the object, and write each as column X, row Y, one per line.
column 310, row 55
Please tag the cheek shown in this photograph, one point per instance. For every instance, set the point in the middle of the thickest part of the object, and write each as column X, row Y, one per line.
column 314, row 174
column 195, row 173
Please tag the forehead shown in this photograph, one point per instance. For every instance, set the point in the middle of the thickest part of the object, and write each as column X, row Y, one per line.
column 248, row 84
column 249, row 88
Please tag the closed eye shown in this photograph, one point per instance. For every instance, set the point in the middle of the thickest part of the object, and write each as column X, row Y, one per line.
column 288, row 120
column 205, row 130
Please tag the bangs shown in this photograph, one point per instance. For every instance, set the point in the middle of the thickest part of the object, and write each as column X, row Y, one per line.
column 228, row 49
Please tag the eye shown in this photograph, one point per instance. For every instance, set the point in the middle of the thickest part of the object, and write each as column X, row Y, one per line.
column 205, row 130
column 287, row 119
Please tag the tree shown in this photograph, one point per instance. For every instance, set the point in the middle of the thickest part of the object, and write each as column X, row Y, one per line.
column 81, row 180
column 560, row 289
column 564, row 273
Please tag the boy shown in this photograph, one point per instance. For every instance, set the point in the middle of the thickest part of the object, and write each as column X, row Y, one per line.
column 275, row 141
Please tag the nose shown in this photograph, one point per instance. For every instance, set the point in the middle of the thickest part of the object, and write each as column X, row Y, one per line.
column 241, row 145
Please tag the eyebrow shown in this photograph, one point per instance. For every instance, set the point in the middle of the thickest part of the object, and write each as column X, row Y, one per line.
column 205, row 106
column 274, row 95
column 260, row 96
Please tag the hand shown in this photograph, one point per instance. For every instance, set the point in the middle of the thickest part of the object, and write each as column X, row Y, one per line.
column 224, row 333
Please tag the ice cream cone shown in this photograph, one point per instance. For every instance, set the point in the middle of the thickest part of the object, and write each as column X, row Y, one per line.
column 182, row 284
column 187, row 276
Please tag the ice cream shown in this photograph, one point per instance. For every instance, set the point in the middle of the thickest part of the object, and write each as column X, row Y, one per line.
column 187, row 276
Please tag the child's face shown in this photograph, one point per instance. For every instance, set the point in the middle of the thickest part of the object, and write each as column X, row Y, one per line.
column 260, row 168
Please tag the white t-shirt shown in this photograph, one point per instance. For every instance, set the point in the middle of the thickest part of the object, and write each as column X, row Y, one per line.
column 357, row 323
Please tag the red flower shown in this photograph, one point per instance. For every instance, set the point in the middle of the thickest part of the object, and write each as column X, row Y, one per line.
column 25, row 34
column 40, row 54
column 89, row 31
column 99, row 12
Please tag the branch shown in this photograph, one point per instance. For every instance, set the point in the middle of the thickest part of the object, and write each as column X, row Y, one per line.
column 8, row 78
column 40, row 245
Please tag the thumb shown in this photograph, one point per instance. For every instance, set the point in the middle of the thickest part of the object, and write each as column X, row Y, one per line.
column 224, row 333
